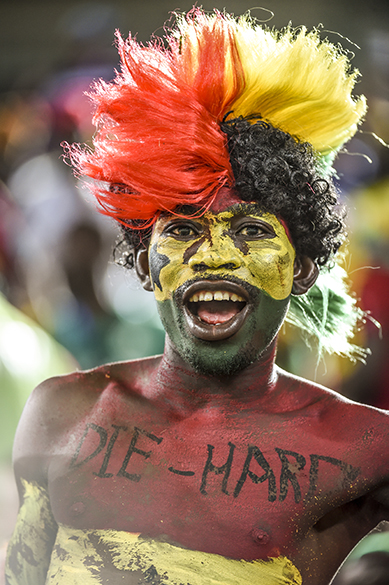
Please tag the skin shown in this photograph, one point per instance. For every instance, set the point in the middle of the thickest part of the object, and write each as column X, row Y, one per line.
column 241, row 246
column 252, row 465
column 252, row 244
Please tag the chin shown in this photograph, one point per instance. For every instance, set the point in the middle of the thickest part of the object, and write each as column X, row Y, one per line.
column 216, row 363
column 221, row 358
column 237, row 342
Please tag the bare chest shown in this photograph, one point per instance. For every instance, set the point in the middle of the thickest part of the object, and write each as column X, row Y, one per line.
column 228, row 487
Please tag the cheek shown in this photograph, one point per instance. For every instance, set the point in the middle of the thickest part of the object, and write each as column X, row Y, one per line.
column 167, row 268
column 272, row 272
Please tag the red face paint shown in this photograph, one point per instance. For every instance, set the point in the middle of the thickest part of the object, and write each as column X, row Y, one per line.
column 224, row 199
column 245, row 472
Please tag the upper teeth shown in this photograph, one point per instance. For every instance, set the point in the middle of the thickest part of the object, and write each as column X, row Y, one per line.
column 218, row 295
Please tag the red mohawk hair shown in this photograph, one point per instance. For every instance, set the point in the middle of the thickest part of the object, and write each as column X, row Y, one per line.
column 158, row 142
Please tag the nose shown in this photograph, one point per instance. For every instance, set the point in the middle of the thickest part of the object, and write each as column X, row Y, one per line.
column 214, row 257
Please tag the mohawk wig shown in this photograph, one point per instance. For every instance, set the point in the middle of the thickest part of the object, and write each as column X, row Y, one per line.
column 159, row 143
column 170, row 133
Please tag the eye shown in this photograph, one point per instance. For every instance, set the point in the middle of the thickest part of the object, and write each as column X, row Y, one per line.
column 182, row 230
column 254, row 230
column 251, row 231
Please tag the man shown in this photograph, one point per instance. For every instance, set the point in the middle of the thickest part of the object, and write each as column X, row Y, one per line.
column 210, row 464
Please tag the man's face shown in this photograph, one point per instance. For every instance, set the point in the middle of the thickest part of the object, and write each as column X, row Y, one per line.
column 222, row 283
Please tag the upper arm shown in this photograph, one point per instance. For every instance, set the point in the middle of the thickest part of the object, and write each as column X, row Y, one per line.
column 44, row 426
column 376, row 460
column 30, row 547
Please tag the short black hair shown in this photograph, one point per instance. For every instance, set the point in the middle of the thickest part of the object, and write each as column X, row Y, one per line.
column 283, row 175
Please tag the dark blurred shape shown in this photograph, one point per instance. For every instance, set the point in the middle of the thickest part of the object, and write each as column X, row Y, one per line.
column 88, row 19
column 81, row 322
column 81, row 252
column 357, row 165
column 370, row 569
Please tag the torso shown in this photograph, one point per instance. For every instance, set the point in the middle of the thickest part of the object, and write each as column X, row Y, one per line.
column 257, row 481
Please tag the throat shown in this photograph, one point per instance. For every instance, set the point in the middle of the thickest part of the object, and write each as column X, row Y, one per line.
column 183, row 389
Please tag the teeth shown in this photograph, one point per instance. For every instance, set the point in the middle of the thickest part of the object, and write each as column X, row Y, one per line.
column 218, row 295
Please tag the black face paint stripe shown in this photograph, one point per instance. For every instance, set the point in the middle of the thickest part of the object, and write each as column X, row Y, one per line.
column 239, row 243
column 157, row 262
column 189, row 252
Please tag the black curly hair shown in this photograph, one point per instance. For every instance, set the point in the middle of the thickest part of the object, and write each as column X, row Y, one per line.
column 282, row 174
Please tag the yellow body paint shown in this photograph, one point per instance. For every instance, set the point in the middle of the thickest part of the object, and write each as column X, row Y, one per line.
column 80, row 554
column 267, row 265
column 29, row 549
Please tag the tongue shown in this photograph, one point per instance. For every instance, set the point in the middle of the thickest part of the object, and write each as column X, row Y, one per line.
column 215, row 312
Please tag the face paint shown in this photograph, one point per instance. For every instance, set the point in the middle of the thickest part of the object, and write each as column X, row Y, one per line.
column 221, row 243
column 222, row 283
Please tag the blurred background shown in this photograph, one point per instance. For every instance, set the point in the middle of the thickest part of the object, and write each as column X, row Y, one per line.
column 64, row 304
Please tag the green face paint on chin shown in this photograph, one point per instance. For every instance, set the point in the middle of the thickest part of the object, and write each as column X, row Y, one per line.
column 233, row 354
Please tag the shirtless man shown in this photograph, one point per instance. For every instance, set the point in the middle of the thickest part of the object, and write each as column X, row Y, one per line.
column 208, row 464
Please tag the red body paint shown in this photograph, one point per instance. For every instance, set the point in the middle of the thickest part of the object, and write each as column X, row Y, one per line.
column 245, row 471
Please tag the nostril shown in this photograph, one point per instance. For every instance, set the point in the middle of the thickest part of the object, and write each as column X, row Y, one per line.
column 199, row 267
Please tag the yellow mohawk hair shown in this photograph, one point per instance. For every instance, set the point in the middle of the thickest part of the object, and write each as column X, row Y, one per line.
column 291, row 78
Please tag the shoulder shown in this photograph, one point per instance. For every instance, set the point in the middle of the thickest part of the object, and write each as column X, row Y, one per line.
column 59, row 403
column 328, row 405
column 75, row 392
column 342, row 429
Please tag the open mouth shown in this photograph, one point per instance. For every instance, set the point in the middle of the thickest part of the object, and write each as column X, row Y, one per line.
column 216, row 307
column 215, row 310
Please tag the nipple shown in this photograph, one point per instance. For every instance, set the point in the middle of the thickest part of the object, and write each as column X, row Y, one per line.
column 260, row 536
column 77, row 509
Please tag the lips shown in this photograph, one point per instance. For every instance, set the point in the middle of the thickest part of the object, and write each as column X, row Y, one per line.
column 215, row 310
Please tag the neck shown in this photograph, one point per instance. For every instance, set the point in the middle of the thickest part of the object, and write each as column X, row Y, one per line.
column 179, row 387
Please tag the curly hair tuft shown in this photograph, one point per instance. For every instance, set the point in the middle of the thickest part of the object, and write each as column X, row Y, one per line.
column 282, row 174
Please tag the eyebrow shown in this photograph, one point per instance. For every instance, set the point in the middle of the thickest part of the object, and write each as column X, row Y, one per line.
column 188, row 211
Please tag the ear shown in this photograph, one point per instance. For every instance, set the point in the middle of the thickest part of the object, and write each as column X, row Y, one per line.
column 305, row 275
column 142, row 268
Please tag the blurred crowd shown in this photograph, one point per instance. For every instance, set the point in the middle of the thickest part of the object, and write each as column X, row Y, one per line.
column 55, row 250
column 65, row 304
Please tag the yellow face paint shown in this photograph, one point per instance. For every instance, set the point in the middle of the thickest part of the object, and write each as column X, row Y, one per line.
column 29, row 549
column 223, row 247
column 76, row 560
